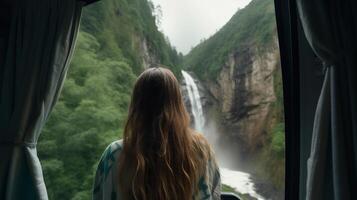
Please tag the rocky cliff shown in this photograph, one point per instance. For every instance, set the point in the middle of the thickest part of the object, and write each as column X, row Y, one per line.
column 244, row 92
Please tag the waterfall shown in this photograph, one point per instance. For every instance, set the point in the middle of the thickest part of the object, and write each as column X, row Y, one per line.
column 195, row 101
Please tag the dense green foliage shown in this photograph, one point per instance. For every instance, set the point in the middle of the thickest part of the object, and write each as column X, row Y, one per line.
column 93, row 104
column 278, row 140
column 278, row 128
column 252, row 25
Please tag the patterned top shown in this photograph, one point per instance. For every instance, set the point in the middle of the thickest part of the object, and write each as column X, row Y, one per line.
column 105, row 188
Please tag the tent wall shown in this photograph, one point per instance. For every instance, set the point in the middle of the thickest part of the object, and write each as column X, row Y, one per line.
column 311, row 79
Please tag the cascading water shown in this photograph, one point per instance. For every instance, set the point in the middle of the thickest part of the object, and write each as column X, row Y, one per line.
column 196, row 106
column 238, row 180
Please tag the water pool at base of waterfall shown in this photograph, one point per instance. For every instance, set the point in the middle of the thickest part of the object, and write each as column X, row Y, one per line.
column 240, row 181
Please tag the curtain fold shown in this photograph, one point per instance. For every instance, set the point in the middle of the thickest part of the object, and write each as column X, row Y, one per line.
column 40, row 44
column 331, row 29
column 319, row 144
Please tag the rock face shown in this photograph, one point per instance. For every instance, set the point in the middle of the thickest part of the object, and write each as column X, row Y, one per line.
column 244, row 92
column 148, row 59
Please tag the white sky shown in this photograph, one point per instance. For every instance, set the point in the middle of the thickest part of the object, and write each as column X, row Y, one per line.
column 186, row 22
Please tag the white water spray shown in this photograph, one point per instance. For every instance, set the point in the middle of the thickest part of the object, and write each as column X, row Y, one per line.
column 194, row 96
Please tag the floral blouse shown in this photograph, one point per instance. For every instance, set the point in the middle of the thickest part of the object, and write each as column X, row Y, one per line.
column 104, row 187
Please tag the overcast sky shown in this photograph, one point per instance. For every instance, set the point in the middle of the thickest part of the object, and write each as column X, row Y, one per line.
column 186, row 22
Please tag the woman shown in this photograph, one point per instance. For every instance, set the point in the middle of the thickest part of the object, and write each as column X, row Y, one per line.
column 160, row 157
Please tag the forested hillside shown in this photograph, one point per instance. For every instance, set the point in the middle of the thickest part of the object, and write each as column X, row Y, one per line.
column 253, row 25
column 116, row 41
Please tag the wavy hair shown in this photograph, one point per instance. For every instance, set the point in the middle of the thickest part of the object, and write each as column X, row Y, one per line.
column 162, row 158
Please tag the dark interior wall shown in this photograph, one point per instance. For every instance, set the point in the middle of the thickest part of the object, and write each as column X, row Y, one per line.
column 6, row 9
column 5, row 13
column 311, row 79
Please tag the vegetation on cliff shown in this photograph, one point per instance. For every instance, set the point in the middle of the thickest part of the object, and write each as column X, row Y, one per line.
column 272, row 157
column 122, row 27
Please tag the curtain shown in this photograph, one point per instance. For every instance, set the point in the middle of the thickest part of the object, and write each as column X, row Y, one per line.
column 39, row 47
column 330, row 27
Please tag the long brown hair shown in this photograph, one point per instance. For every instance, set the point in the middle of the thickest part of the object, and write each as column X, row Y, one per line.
column 162, row 158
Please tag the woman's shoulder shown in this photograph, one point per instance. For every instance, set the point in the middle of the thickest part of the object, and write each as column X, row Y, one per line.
column 110, row 153
column 105, row 170
column 109, row 158
column 115, row 146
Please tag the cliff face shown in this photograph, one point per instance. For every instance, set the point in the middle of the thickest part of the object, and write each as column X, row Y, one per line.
column 244, row 92
column 147, row 58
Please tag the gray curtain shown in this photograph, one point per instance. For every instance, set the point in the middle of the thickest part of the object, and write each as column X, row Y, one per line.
column 331, row 29
column 39, row 47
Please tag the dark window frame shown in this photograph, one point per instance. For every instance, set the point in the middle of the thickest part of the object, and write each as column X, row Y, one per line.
column 287, row 27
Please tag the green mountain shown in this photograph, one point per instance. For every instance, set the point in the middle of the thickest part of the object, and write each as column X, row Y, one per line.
column 116, row 41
